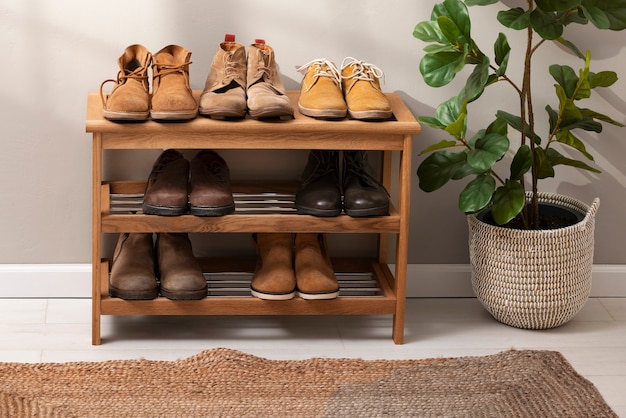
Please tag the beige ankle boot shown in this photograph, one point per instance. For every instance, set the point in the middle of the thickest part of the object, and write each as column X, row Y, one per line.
column 171, row 95
column 361, row 89
column 314, row 273
column 274, row 277
column 224, row 94
column 130, row 98
column 266, row 93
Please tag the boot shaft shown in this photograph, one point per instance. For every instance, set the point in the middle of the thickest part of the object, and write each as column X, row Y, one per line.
column 262, row 66
column 170, row 66
column 229, row 65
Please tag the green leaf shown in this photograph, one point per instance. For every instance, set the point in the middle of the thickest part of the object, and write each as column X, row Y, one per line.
column 449, row 30
column 567, row 138
column 602, row 79
column 480, row 2
column 438, row 168
column 502, row 52
column 428, row 31
column 488, row 150
column 546, row 24
column 567, row 108
column 605, row 14
column 516, row 123
column 557, row 5
column 557, row 159
column 431, row 121
column 516, row 18
column 477, row 194
column 522, row 162
column 587, row 124
column 457, row 12
column 440, row 68
column 588, row 113
column 543, row 166
column 452, row 114
column 566, row 77
column 439, row 145
column 508, row 202
column 569, row 45
column 476, row 82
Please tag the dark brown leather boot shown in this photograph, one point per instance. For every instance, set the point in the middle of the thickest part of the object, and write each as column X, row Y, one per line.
column 179, row 271
column 132, row 269
column 319, row 193
column 210, row 192
column 315, row 277
column 363, row 194
column 274, row 278
column 166, row 190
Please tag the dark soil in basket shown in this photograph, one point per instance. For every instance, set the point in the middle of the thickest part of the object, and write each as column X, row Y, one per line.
column 545, row 222
column 550, row 217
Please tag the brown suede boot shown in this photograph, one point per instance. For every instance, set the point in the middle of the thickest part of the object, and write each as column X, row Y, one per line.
column 224, row 94
column 166, row 190
column 180, row 273
column 361, row 89
column 132, row 269
column 171, row 95
column 210, row 193
column 130, row 98
column 320, row 91
column 266, row 93
column 274, row 277
column 314, row 273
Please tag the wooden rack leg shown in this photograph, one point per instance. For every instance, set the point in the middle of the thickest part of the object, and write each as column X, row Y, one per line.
column 96, row 246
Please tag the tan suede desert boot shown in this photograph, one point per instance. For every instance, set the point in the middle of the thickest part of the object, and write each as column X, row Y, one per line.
column 130, row 98
column 265, row 89
column 320, row 91
column 361, row 89
column 179, row 271
column 171, row 95
column 132, row 269
column 224, row 94
column 274, row 278
column 314, row 273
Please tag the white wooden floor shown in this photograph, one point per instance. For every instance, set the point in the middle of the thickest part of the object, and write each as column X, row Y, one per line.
column 59, row 330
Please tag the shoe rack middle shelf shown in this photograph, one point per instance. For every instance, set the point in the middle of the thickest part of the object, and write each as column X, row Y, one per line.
column 273, row 201
column 266, row 206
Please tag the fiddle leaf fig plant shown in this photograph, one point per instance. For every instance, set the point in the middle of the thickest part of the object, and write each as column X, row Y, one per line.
column 451, row 49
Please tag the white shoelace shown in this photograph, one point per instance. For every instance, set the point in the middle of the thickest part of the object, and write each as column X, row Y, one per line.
column 325, row 69
column 362, row 70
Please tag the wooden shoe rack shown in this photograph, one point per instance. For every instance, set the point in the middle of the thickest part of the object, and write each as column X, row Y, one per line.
column 117, row 208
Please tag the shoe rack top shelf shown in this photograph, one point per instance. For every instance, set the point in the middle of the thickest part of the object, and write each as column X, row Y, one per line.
column 266, row 134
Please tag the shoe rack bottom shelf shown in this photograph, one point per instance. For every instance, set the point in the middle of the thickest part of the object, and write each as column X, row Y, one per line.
column 365, row 289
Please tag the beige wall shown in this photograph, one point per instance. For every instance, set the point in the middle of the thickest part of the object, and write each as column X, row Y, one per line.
column 55, row 51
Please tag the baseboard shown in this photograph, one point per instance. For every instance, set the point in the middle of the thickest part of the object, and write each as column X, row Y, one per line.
column 423, row 280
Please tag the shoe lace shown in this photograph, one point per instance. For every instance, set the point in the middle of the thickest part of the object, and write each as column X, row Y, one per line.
column 361, row 70
column 230, row 69
column 138, row 73
column 325, row 68
column 165, row 69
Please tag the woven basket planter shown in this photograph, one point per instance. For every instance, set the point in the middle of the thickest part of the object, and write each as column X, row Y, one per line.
column 534, row 279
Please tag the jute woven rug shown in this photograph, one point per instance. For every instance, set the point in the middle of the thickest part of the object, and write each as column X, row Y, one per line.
column 224, row 382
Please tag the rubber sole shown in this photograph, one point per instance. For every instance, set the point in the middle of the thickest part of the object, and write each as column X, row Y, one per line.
column 365, row 212
column 318, row 296
column 370, row 114
column 171, row 116
column 323, row 113
column 126, row 116
column 211, row 210
column 272, row 296
column 301, row 210
column 133, row 295
column 185, row 295
column 163, row 210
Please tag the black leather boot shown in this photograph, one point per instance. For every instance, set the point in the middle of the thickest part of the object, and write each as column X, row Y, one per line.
column 363, row 194
column 319, row 193
column 166, row 190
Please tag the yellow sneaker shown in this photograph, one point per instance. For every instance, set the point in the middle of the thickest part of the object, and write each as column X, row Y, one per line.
column 320, row 92
column 361, row 89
